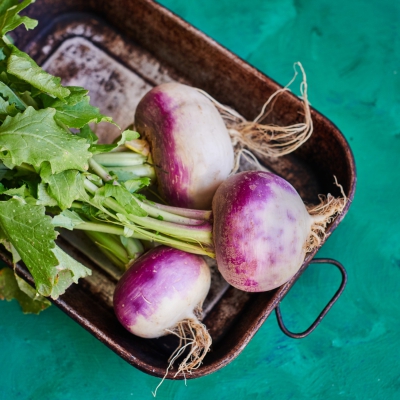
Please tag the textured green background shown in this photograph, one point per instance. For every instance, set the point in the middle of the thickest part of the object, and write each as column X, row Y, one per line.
column 351, row 52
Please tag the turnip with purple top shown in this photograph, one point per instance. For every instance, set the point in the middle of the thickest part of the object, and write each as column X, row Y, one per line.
column 259, row 230
column 196, row 142
column 163, row 292
column 190, row 145
column 262, row 230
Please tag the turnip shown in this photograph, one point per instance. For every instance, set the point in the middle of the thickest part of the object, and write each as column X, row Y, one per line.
column 162, row 293
column 196, row 142
column 259, row 230
column 189, row 142
column 262, row 229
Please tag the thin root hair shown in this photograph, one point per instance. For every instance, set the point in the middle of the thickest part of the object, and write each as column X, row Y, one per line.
column 193, row 335
column 323, row 214
column 267, row 140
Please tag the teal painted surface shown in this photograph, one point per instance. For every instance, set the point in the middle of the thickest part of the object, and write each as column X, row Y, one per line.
column 351, row 53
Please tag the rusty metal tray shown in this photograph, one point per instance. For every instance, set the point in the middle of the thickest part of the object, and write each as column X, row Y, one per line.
column 118, row 58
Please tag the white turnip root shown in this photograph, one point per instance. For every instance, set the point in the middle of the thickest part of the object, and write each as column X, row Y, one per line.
column 262, row 229
column 259, row 230
column 197, row 142
column 163, row 292
column 190, row 145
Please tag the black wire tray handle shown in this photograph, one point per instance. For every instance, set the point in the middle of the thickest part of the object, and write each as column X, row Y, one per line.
column 327, row 307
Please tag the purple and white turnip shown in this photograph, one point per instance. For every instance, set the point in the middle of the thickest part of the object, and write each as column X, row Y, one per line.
column 190, row 145
column 262, row 230
column 259, row 230
column 163, row 292
column 196, row 142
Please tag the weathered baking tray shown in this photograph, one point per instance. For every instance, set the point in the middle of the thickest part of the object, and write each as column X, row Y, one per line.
column 119, row 50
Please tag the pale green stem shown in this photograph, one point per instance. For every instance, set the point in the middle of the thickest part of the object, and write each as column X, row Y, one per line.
column 156, row 212
column 107, row 228
column 201, row 234
column 111, row 243
column 184, row 212
column 119, row 159
column 99, row 170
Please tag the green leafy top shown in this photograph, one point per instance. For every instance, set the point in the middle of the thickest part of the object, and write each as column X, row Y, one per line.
column 53, row 178
column 9, row 18
column 19, row 64
column 13, row 287
column 41, row 161
column 34, row 138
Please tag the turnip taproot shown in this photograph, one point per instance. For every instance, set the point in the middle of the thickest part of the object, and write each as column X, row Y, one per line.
column 264, row 138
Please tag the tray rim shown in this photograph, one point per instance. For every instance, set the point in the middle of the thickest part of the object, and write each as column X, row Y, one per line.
column 280, row 292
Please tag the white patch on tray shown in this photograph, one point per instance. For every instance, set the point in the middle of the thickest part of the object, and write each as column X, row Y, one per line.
column 113, row 88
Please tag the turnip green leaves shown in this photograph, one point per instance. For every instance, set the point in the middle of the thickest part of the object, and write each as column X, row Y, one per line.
column 42, row 162
column 32, row 235
column 9, row 18
column 75, row 110
column 34, row 137
column 13, row 287
column 19, row 64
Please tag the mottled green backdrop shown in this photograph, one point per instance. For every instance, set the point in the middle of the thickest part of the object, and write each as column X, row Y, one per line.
column 351, row 52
